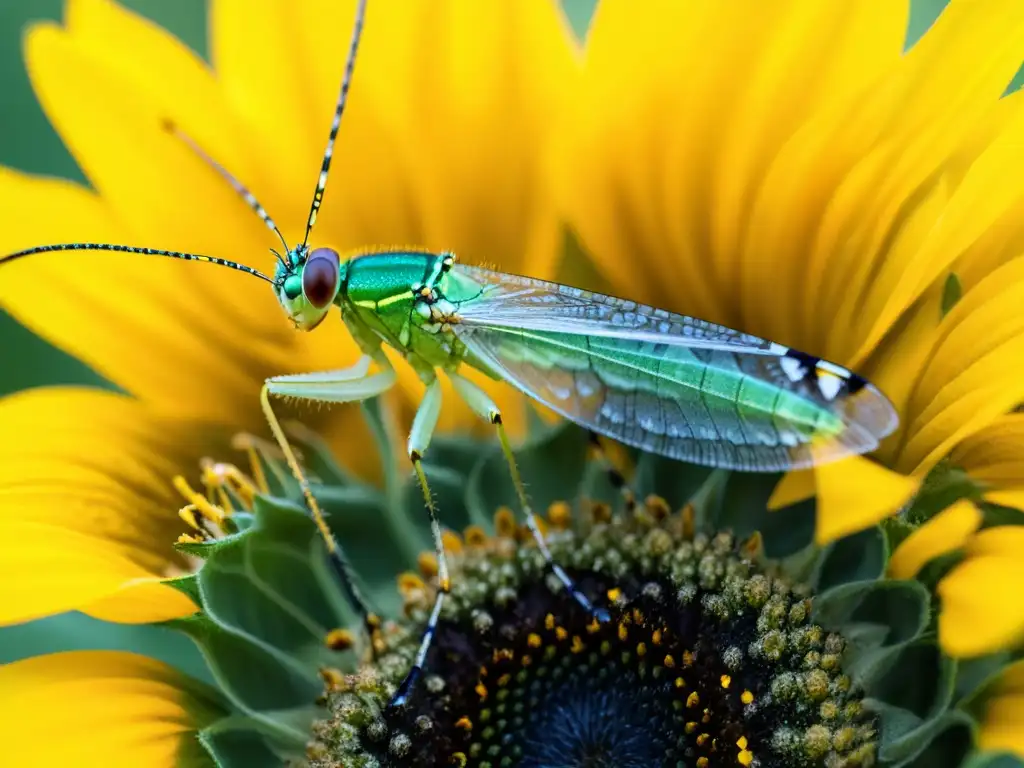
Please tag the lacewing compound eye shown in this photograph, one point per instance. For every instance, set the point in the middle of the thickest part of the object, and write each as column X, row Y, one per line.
column 320, row 277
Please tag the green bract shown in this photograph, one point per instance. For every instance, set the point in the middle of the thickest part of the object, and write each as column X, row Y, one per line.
column 844, row 671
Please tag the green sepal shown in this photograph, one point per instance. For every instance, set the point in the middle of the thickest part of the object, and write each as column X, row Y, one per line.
column 861, row 556
column 877, row 618
column 233, row 657
column 187, row 585
column 939, row 742
column 238, row 742
column 744, row 509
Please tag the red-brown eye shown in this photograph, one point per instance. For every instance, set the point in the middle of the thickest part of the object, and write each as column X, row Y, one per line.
column 320, row 277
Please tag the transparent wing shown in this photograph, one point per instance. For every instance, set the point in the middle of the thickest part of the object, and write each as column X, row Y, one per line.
column 667, row 383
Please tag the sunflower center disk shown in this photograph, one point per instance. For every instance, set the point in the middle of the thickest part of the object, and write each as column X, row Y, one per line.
column 569, row 691
column 706, row 662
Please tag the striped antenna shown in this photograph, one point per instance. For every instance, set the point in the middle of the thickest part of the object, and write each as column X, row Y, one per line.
column 238, row 186
column 132, row 249
column 325, row 166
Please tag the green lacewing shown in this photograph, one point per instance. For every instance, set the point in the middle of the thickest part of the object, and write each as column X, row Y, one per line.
column 656, row 380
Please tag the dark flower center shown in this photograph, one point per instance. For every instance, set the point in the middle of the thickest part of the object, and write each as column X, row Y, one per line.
column 706, row 662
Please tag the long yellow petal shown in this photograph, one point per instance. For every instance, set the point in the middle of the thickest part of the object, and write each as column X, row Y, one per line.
column 948, row 530
column 1002, row 728
column 976, row 372
column 856, row 493
column 981, row 607
column 994, row 458
column 99, row 707
column 939, row 105
column 258, row 66
column 87, row 511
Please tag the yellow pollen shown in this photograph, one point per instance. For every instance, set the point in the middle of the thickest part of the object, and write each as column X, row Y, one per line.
column 200, row 502
column 614, row 594
column 657, row 506
column 503, row 653
column 188, row 538
column 593, row 627
column 475, row 536
column 741, row 742
column 641, row 649
column 746, row 757
column 339, row 640
column 533, row 640
column 188, row 514
column 656, row 637
column 561, row 633
column 638, row 617
column 689, row 515
column 680, row 682
column 464, row 723
column 702, row 739
column 459, row 759
column 669, row 661
column 250, row 444
column 427, row 564
column 549, row 622
column 504, row 680
column 505, row 523
column 577, row 644
column 526, row 660
column 693, row 700
column 560, row 515
column 747, row 697
column 691, row 727
column 481, row 691
column 687, row 659
column 452, row 542
column 726, row 681
column 703, row 762
column 409, row 583
column 332, row 678
column 218, row 475
column 623, row 632
column 752, row 546
column 601, row 513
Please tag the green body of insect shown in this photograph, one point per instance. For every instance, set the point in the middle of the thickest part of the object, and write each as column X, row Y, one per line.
column 659, row 381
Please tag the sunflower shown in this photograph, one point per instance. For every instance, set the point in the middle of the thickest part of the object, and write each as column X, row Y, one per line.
column 444, row 93
column 733, row 638
column 148, row 717
column 789, row 171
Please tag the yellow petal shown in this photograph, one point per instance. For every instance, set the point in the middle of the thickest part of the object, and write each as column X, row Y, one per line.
column 981, row 608
column 87, row 511
column 948, row 530
column 1002, row 730
column 856, row 493
column 1002, row 727
column 976, row 373
column 1006, row 498
column 258, row 67
column 99, row 707
column 1002, row 541
column 115, row 310
column 937, row 109
column 994, row 458
column 793, row 487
